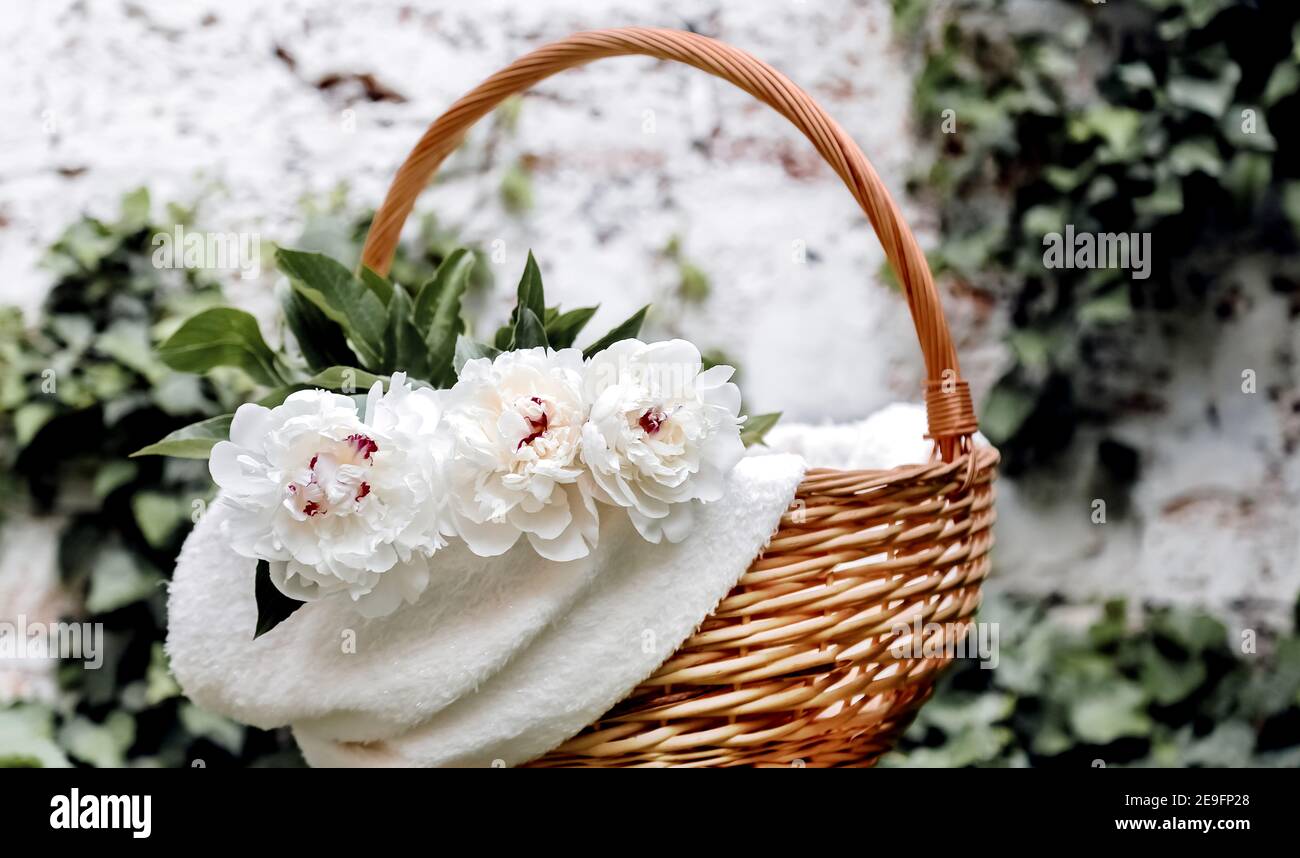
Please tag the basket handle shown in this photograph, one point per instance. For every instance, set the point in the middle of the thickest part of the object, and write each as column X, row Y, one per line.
column 947, row 397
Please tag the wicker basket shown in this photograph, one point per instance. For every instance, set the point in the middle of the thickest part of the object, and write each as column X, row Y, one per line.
column 807, row 661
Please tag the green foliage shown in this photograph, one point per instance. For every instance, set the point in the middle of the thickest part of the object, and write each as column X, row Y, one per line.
column 1172, row 689
column 629, row 328
column 221, row 336
column 757, row 426
column 78, row 392
column 1174, row 118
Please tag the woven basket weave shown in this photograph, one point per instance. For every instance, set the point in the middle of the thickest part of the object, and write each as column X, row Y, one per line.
column 814, row 658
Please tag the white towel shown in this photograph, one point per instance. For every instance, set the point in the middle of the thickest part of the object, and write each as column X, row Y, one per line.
column 504, row 658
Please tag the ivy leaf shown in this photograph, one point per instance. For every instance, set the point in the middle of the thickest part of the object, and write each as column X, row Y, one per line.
column 468, row 350
column 320, row 339
column 1100, row 716
column 118, row 578
column 1110, row 307
column 341, row 297
column 221, row 336
column 158, row 514
column 437, row 314
column 102, row 745
column 756, row 427
column 273, row 607
column 626, row 331
column 1210, row 97
column 377, row 283
column 1005, row 410
column 529, row 331
column 563, row 328
column 30, row 419
column 191, row 442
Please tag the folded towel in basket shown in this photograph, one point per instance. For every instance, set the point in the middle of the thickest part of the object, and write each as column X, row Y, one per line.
column 502, row 658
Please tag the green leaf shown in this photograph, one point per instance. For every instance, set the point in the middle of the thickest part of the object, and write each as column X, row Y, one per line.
column 1284, row 81
column 127, row 342
column 320, row 339
column 158, row 515
column 377, row 283
column 346, row 379
column 1228, row 746
column 134, row 212
column 27, row 738
column 222, row 732
column 626, row 331
column 273, row 607
column 529, row 296
column 757, row 426
column 468, row 350
column 221, row 336
column 191, row 442
column 505, row 335
column 1196, row 154
column 437, row 314
column 1110, row 712
column 117, row 579
column 111, row 476
column 1005, row 410
column 160, row 685
column 1109, row 308
column 1169, row 680
column 517, row 189
column 30, row 419
column 1117, row 126
column 1210, row 97
column 564, row 328
column 102, row 745
column 404, row 349
column 529, row 331
column 341, row 297
column 1291, row 203
column 694, row 286
column 443, row 289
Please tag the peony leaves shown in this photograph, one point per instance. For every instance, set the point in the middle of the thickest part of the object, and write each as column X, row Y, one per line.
column 628, row 330
column 532, row 324
column 756, row 427
column 351, row 328
column 437, row 314
column 191, row 442
column 563, row 328
column 342, row 297
column 222, row 336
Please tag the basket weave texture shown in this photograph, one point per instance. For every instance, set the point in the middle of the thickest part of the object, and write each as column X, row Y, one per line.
column 833, row 638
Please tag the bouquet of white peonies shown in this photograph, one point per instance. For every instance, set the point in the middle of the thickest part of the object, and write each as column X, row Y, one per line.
column 338, row 495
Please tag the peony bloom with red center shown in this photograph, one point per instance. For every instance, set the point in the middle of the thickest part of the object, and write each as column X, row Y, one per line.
column 661, row 434
column 514, row 425
column 338, row 502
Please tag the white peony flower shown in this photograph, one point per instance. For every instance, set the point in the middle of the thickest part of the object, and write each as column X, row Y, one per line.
column 660, row 433
column 515, row 425
column 338, row 503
